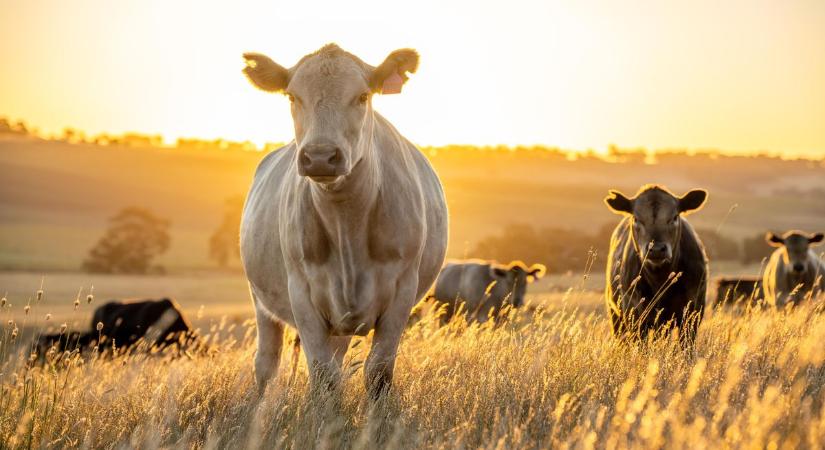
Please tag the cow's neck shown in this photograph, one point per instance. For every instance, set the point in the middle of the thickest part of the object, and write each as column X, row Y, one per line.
column 343, row 208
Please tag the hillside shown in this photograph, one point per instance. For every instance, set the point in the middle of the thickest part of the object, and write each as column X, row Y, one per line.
column 57, row 196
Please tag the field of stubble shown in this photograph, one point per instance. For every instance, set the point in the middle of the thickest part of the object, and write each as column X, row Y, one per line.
column 551, row 378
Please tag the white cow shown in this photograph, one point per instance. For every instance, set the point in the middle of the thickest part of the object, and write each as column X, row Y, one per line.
column 794, row 270
column 345, row 228
column 483, row 286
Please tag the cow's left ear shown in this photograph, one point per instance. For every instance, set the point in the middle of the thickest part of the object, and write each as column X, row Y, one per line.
column 693, row 200
column 816, row 239
column 390, row 76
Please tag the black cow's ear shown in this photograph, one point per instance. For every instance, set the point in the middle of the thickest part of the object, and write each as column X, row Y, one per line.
column 499, row 271
column 619, row 203
column 774, row 240
column 816, row 238
column 537, row 271
column 264, row 73
column 693, row 200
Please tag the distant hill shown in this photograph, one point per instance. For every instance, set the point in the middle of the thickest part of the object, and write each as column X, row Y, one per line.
column 55, row 197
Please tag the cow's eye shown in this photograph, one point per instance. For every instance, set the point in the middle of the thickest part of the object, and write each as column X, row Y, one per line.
column 291, row 98
column 363, row 98
column 675, row 218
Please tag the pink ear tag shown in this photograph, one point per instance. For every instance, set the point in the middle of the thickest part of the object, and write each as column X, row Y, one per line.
column 392, row 85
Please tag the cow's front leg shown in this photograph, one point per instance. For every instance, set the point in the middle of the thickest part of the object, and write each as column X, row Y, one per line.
column 320, row 348
column 378, row 370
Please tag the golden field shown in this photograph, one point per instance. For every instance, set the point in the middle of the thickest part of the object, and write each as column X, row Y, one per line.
column 552, row 377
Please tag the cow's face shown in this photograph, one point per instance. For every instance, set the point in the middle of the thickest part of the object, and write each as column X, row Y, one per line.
column 655, row 217
column 795, row 247
column 511, row 281
column 330, row 94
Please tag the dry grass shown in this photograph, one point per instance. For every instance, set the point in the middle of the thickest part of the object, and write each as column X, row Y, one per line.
column 553, row 378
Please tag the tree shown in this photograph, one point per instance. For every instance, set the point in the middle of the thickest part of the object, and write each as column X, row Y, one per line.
column 134, row 238
column 223, row 244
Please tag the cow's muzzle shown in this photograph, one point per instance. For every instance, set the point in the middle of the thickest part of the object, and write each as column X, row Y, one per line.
column 321, row 161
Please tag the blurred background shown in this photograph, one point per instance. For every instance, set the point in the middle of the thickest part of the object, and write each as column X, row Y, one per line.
column 128, row 136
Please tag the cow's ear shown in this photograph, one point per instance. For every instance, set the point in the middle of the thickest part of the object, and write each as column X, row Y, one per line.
column 816, row 238
column 498, row 271
column 618, row 203
column 390, row 76
column 537, row 271
column 693, row 200
column 264, row 73
column 774, row 240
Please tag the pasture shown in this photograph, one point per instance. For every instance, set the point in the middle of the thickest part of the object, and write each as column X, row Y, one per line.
column 552, row 376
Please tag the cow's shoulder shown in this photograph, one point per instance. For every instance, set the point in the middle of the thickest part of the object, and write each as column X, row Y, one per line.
column 691, row 249
column 274, row 160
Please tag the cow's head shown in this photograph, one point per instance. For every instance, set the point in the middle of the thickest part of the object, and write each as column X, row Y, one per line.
column 330, row 92
column 795, row 247
column 511, row 280
column 655, row 219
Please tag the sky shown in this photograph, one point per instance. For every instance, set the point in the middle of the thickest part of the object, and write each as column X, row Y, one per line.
column 734, row 75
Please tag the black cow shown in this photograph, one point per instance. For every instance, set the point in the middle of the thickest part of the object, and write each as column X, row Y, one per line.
column 122, row 324
column 159, row 323
column 656, row 269
column 736, row 291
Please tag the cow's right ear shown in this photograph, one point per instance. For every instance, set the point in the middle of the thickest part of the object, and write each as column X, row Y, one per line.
column 264, row 73
column 816, row 239
column 774, row 240
column 618, row 203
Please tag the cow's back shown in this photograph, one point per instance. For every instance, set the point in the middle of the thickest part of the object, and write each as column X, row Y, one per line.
column 463, row 282
column 406, row 162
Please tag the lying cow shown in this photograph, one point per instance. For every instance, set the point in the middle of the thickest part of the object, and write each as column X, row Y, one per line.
column 345, row 228
column 656, row 267
column 483, row 287
column 743, row 290
column 159, row 323
column 794, row 271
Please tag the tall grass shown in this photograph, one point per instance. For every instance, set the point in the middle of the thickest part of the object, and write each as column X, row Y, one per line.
column 550, row 378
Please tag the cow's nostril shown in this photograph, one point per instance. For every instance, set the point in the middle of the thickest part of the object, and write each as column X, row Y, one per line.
column 305, row 159
column 335, row 157
column 798, row 267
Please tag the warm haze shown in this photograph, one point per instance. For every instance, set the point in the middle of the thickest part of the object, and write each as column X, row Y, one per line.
column 624, row 191
column 740, row 75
